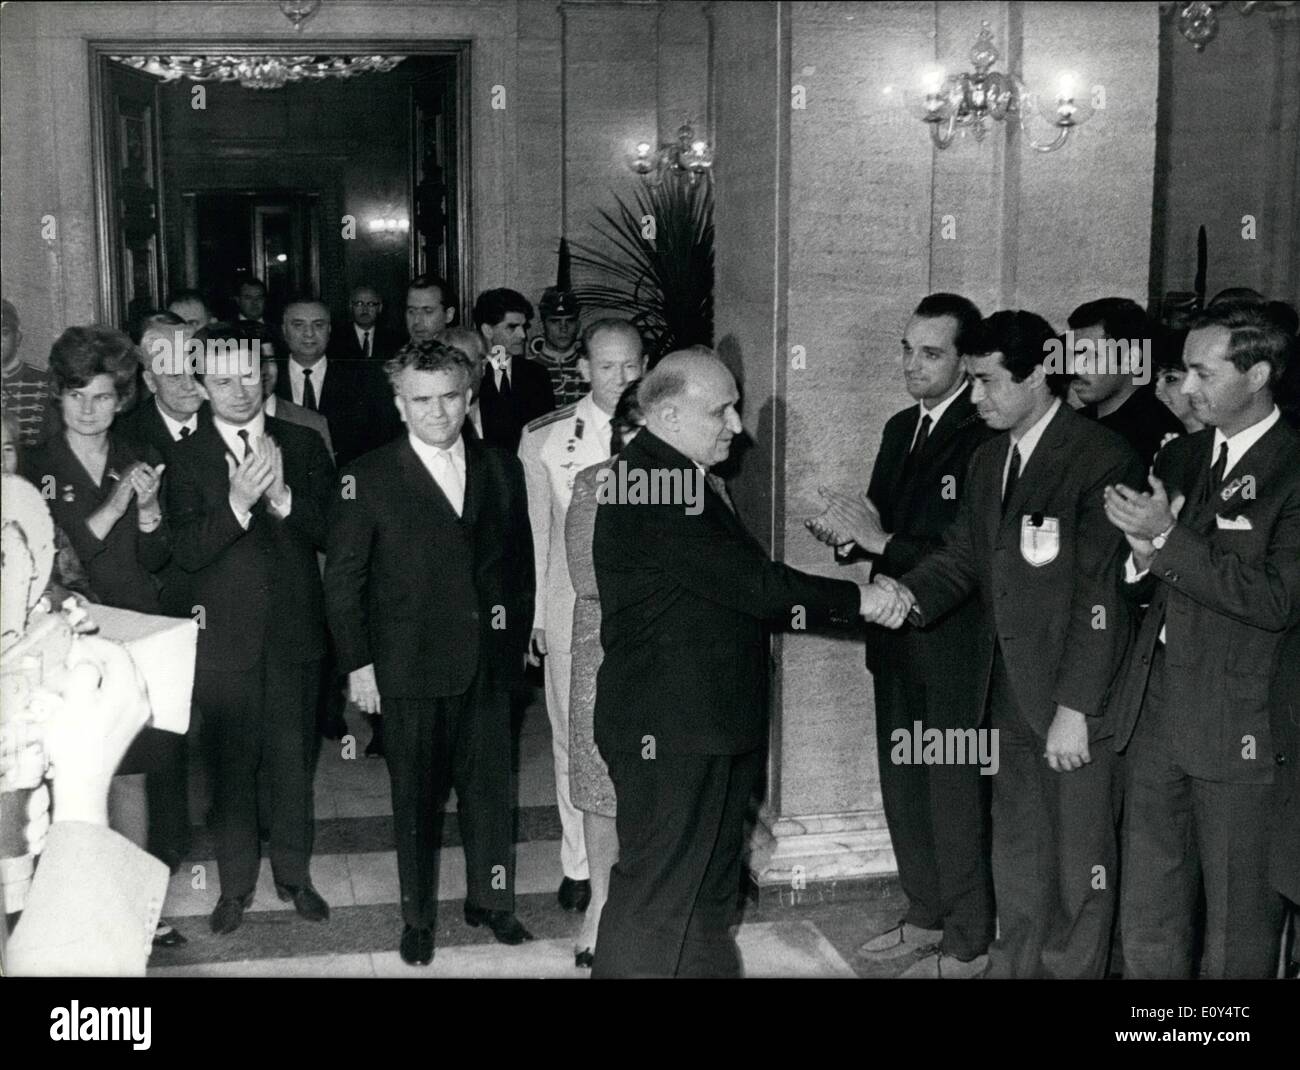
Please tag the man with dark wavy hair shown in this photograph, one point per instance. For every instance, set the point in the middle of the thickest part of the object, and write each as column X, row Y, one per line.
column 429, row 592
column 515, row 390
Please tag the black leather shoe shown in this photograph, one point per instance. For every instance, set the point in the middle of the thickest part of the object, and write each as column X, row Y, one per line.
column 417, row 946
column 574, row 895
column 306, row 900
column 229, row 914
column 167, row 936
column 583, row 959
column 504, row 925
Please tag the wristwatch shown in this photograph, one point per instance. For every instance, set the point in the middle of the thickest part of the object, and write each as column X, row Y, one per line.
column 1159, row 541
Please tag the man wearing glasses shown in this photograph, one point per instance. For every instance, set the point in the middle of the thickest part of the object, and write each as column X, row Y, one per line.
column 362, row 336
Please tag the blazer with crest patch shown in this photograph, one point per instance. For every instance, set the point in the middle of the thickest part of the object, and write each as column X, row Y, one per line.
column 1047, row 569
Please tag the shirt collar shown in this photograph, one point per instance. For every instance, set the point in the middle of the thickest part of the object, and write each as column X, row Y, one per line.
column 1239, row 443
column 174, row 426
column 317, row 369
column 256, row 428
column 591, row 413
column 428, row 454
column 1029, row 440
column 361, row 331
column 936, row 413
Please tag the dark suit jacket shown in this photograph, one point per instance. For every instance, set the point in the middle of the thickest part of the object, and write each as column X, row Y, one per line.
column 120, row 567
column 1284, row 853
column 358, row 403
column 260, row 585
column 917, row 506
column 425, row 596
column 1226, row 598
column 344, row 345
column 144, row 426
column 530, row 397
column 683, row 600
column 1045, row 616
column 1144, row 421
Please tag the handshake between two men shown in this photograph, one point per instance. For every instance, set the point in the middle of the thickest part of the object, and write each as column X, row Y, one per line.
column 848, row 521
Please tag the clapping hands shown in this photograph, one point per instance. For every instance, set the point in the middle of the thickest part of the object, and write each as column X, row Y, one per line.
column 849, row 519
column 887, row 602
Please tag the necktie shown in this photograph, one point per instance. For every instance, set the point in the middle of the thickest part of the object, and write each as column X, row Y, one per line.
column 909, row 464
column 185, row 432
column 453, row 485
column 1013, row 474
column 365, row 343
column 720, row 489
column 308, row 391
column 1217, row 472
column 921, row 437
column 243, row 435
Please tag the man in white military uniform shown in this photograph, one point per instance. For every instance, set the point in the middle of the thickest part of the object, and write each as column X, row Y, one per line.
column 554, row 449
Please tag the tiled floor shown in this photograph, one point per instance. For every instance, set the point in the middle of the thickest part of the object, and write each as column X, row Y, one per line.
column 355, row 869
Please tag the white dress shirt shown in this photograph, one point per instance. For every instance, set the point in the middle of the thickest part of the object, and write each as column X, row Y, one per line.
column 256, row 428
column 361, row 333
column 317, row 379
column 1028, row 442
column 447, row 468
column 936, row 413
column 174, row 426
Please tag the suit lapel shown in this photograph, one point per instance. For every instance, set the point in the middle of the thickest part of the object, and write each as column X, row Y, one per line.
column 421, row 483
column 1255, row 469
column 475, row 463
column 1044, row 465
column 957, row 417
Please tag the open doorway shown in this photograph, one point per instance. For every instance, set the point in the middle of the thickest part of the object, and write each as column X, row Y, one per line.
column 318, row 186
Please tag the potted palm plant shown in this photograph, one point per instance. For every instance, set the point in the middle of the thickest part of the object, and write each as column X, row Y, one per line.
column 657, row 264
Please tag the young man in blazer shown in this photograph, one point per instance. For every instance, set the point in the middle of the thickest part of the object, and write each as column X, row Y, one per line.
column 1031, row 538
column 515, row 390
column 247, row 497
column 429, row 588
column 938, row 814
column 1216, row 554
column 681, row 713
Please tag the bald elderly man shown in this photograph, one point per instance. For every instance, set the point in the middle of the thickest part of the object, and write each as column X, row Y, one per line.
column 681, row 717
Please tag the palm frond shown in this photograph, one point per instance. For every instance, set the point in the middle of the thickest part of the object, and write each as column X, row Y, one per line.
column 663, row 283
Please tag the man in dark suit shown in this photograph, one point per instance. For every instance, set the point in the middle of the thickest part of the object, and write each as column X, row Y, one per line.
column 247, row 496
column 250, row 315
column 429, row 587
column 1031, row 537
column 361, row 335
column 681, row 716
column 937, row 814
column 349, row 393
column 515, row 390
column 1216, row 554
column 1121, row 399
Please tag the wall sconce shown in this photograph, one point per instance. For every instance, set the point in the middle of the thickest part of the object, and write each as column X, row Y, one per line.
column 688, row 155
column 389, row 225
column 970, row 100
